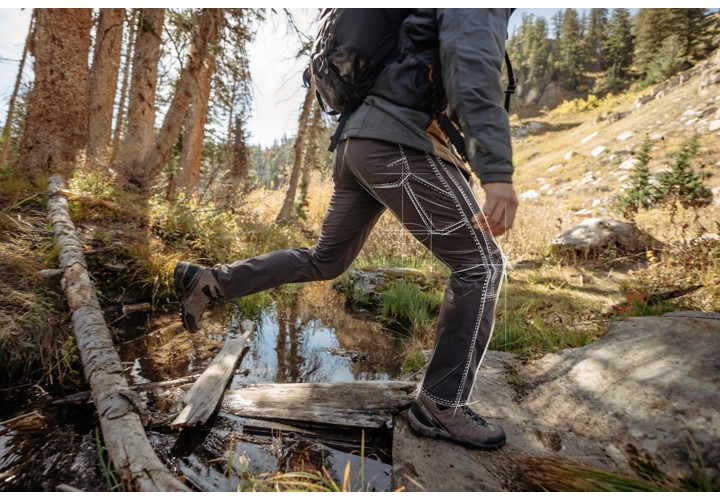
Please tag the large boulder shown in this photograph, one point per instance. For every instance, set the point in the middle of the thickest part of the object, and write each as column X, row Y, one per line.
column 598, row 236
column 641, row 403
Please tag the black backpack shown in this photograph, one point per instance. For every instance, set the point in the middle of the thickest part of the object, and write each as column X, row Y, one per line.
column 349, row 54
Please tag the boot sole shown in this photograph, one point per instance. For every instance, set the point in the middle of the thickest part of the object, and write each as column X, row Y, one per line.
column 179, row 278
column 435, row 433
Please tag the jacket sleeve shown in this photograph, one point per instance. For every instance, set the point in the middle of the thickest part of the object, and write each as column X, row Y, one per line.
column 472, row 48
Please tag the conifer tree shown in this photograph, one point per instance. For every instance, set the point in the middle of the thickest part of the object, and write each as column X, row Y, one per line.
column 619, row 44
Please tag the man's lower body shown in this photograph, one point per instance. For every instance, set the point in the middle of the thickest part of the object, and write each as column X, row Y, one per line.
column 436, row 204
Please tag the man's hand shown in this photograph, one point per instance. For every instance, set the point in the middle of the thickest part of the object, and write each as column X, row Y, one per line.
column 499, row 208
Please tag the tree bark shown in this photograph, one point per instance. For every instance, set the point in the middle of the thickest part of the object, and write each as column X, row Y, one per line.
column 240, row 153
column 308, row 160
column 56, row 121
column 7, row 128
column 119, row 120
column 286, row 212
column 191, row 155
column 103, row 83
column 141, row 109
column 119, row 409
column 205, row 36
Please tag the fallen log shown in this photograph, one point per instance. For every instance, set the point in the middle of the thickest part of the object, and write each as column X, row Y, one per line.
column 349, row 404
column 205, row 394
column 119, row 409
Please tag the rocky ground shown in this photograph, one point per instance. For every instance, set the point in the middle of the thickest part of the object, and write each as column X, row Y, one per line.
column 638, row 407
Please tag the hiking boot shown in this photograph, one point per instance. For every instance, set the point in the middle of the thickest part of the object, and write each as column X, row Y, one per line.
column 195, row 286
column 457, row 424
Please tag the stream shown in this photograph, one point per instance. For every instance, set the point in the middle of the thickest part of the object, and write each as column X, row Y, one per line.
column 315, row 340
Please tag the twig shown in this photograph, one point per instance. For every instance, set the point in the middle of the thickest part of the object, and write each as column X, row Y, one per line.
column 20, row 417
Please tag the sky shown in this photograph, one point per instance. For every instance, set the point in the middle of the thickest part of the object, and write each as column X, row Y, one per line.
column 277, row 80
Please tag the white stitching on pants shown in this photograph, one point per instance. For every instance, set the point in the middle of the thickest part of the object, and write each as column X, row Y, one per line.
column 490, row 277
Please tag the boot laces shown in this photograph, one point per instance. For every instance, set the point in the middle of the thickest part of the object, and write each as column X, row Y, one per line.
column 474, row 416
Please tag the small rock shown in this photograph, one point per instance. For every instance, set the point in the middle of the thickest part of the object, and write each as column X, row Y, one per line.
column 589, row 138
column 625, row 135
column 584, row 211
column 596, row 203
column 643, row 99
column 545, row 187
column 691, row 121
column 569, row 155
column 691, row 112
column 598, row 151
column 597, row 234
column 554, row 167
column 629, row 164
column 714, row 125
column 529, row 195
column 623, row 178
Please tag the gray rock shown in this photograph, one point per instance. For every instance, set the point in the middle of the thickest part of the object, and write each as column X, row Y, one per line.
column 625, row 135
column 642, row 100
column 529, row 195
column 645, row 393
column 648, row 388
column 598, row 151
column 714, row 125
column 594, row 236
column 569, row 155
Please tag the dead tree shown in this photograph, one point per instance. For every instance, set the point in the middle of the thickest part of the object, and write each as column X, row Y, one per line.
column 119, row 409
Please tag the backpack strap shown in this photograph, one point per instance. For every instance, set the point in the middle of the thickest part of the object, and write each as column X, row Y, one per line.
column 512, row 82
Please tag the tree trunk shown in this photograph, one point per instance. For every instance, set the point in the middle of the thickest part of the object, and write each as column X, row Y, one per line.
column 103, row 82
column 192, row 149
column 240, row 154
column 141, row 110
column 204, row 38
column 286, row 212
column 56, row 121
column 7, row 128
column 310, row 154
column 119, row 120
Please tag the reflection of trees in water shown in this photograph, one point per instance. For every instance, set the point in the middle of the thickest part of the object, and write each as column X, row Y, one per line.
column 296, row 360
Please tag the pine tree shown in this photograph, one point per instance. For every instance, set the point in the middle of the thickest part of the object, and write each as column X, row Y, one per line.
column 639, row 193
column 681, row 184
column 619, row 44
column 570, row 46
column 594, row 39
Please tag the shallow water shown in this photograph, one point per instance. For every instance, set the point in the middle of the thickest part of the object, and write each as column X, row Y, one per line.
column 315, row 340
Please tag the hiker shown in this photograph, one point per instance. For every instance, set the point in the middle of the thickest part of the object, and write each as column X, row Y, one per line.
column 392, row 152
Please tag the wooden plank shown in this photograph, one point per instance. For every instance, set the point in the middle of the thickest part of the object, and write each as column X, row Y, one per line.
column 119, row 409
column 350, row 404
column 203, row 397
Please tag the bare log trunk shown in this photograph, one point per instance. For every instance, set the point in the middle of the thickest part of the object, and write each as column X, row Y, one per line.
column 103, row 83
column 286, row 212
column 119, row 120
column 119, row 409
column 191, row 155
column 7, row 128
column 56, row 122
column 141, row 110
column 205, row 36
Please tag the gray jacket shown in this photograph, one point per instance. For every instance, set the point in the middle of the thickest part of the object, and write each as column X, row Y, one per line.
column 466, row 46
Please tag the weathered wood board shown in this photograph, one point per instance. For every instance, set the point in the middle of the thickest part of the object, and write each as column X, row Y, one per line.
column 349, row 404
column 203, row 397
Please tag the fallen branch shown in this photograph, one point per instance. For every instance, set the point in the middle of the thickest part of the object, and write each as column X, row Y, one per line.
column 81, row 397
column 120, row 410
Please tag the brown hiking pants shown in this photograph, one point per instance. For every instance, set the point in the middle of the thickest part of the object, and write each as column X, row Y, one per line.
column 435, row 203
